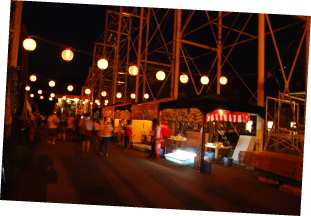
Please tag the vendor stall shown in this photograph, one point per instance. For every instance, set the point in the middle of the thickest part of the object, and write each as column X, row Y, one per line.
column 207, row 103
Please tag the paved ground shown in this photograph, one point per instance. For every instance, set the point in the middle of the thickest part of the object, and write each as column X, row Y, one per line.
column 62, row 173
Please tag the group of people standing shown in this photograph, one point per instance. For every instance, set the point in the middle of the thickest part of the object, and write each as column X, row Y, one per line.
column 83, row 127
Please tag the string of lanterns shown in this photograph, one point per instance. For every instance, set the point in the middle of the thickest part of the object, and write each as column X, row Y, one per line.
column 30, row 44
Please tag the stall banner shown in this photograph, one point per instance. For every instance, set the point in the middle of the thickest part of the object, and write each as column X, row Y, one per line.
column 192, row 115
column 122, row 114
column 108, row 112
column 221, row 115
column 144, row 115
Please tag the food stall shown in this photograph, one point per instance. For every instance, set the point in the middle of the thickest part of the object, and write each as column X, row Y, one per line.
column 207, row 103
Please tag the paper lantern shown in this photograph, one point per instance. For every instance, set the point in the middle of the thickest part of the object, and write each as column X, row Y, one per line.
column 51, row 83
column 104, row 93
column 64, row 97
column 160, row 75
column 119, row 95
column 41, row 97
column 91, row 103
column 86, row 100
column 133, row 70
column 146, row 95
column 133, row 96
column 39, row 91
column 52, row 94
column 70, row 88
column 102, row 63
column 67, row 55
column 106, row 101
column 50, row 98
column 204, row 80
column 33, row 78
column 98, row 103
column 223, row 80
column 87, row 91
column 29, row 44
column 32, row 95
column 183, row 78
column 27, row 88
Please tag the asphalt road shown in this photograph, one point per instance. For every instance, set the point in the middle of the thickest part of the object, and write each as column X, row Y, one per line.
column 62, row 173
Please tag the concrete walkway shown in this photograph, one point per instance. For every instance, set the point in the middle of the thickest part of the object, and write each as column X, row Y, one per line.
column 62, row 173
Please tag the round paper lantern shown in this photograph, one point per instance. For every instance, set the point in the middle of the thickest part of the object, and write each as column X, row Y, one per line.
column 91, row 103
column 223, row 80
column 39, row 91
column 83, row 102
column 32, row 95
column 96, row 101
column 33, row 78
column 146, row 95
column 106, row 101
column 41, row 97
column 70, row 88
column 119, row 95
column 51, row 83
column 133, row 96
column 27, row 88
column 160, row 75
column 50, row 98
column 87, row 91
column 86, row 100
column 52, row 94
column 104, row 93
column 64, row 97
column 183, row 78
column 204, row 80
column 29, row 44
column 102, row 64
column 133, row 70
column 67, row 55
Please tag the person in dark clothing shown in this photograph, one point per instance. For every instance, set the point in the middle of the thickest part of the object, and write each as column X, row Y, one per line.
column 127, row 134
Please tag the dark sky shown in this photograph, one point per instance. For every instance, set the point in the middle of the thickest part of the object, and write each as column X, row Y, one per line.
column 79, row 25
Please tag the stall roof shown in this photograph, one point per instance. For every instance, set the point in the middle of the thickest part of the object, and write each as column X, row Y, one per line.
column 209, row 102
column 124, row 107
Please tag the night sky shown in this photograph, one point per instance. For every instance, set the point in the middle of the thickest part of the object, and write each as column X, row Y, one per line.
column 79, row 25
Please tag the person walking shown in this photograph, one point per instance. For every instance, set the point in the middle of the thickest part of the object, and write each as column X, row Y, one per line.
column 157, row 138
column 86, row 131
column 105, row 132
column 43, row 124
column 95, row 130
column 71, row 126
column 32, row 125
column 52, row 124
column 63, row 126
column 127, row 134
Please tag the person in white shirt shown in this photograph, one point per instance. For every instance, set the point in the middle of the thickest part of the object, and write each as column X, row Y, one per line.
column 52, row 124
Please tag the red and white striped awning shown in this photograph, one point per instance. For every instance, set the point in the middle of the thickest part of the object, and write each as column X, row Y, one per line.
column 221, row 115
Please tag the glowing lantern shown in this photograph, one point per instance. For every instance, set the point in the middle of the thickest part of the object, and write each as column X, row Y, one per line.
column 160, row 75
column 64, row 97
column 27, row 88
column 102, row 63
column 104, row 93
column 40, row 91
column 51, row 83
column 83, row 102
column 133, row 96
column 223, row 80
column 106, row 101
column 41, row 97
column 98, row 103
column 68, row 101
column 133, row 70
column 32, row 78
column 146, row 96
column 50, row 98
column 32, row 95
column 204, row 80
column 87, row 91
column 91, row 103
column 86, row 100
column 183, row 78
column 70, row 88
column 119, row 95
column 29, row 44
column 67, row 55
column 52, row 94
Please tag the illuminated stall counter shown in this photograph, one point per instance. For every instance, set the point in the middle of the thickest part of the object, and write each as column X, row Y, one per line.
column 216, row 146
column 181, row 157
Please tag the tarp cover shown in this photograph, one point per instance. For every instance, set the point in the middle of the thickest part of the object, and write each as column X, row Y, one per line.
column 209, row 102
